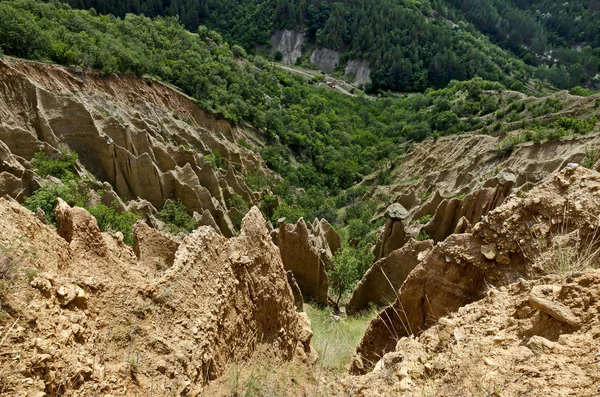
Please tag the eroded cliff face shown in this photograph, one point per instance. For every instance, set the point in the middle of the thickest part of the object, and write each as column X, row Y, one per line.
column 147, row 140
column 88, row 316
column 500, row 249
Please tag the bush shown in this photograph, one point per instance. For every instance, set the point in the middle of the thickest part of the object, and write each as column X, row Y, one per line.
column 46, row 198
column 216, row 160
column 237, row 202
column 110, row 220
column 60, row 165
column 425, row 219
column 344, row 275
column 175, row 215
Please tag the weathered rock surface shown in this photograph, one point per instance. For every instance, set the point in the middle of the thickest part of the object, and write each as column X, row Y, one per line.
column 488, row 344
column 80, row 230
column 325, row 59
column 109, row 323
column 360, row 70
column 456, row 272
column 394, row 235
column 449, row 212
column 289, row 43
column 153, row 248
column 307, row 253
column 381, row 282
column 127, row 133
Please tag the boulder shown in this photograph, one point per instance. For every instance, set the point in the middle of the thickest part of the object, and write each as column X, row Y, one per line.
column 80, row 229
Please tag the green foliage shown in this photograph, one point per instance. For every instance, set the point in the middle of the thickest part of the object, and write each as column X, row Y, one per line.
column 592, row 155
column 344, row 274
column 110, row 220
column 335, row 339
column 216, row 160
column 422, row 236
column 258, row 181
column 72, row 192
column 175, row 215
column 60, row 165
column 424, row 219
column 237, row 202
column 580, row 91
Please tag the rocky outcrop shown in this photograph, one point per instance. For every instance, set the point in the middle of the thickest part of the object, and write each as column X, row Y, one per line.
column 325, row 59
column 359, row 70
column 499, row 251
column 394, row 235
column 381, row 282
column 475, row 205
column 127, row 133
column 243, row 301
column 153, row 248
column 520, row 331
column 111, row 324
column 298, row 299
column 289, row 43
column 80, row 230
column 306, row 252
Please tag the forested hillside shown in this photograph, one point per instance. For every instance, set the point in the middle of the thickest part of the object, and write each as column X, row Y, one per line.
column 412, row 45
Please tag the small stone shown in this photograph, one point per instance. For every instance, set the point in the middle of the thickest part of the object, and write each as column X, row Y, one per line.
column 489, row 362
column 405, row 384
column 503, row 260
column 489, row 251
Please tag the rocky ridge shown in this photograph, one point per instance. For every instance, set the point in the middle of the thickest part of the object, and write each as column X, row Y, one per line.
column 88, row 317
column 147, row 140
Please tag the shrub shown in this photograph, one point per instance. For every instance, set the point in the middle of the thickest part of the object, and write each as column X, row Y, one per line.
column 422, row 236
column 60, row 165
column 236, row 201
column 358, row 229
column 278, row 57
column 175, row 215
column 592, row 155
column 110, row 220
column 425, row 219
column 46, row 198
column 216, row 160
column 344, row 274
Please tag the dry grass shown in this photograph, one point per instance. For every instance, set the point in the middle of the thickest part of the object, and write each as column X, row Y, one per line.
column 336, row 338
column 564, row 252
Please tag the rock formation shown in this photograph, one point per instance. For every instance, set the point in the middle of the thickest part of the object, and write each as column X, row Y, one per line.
column 84, row 315
column 500, row 250
column 289, row 43
column 393, row 236
column 359, row 70
column 450, row 211
column 307, row 251
column 325, row 59
column 512, row 333
column 127, row 133
column 153, row 248
column 381, row 282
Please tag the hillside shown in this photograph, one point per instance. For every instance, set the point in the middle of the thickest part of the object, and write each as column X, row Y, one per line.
column 409, row 46
column 182, row 215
